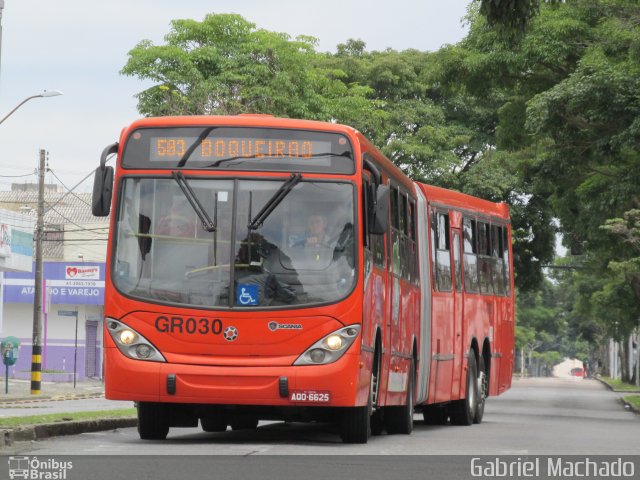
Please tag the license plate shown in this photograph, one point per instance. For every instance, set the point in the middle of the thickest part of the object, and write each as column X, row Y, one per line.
column 310, row 396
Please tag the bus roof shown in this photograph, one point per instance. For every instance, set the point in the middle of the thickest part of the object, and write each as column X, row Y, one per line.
column 244, row 119
column 463, row 201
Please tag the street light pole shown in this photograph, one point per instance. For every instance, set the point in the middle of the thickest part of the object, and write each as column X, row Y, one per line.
column 45, row 94
column 1, row 9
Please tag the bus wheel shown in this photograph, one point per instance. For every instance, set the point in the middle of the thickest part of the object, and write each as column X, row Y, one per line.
column 483, row 391
column 214, row 423
column 153, row 422
column 462, row 412
column 434, row 415
column 377, row 413
column 400, row 419
column 355, row 422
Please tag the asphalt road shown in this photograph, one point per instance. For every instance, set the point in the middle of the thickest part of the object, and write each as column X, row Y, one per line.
column 535, row 417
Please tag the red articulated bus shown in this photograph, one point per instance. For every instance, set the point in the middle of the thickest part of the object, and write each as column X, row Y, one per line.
column 262, row 268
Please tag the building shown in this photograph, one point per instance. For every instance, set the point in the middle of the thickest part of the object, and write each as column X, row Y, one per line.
column 73, row 286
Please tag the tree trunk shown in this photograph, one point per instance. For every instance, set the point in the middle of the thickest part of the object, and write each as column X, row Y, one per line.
column 624, row 361
column 637, row 375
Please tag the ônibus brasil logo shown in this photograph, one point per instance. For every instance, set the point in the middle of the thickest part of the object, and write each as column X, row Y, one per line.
column 35, row 469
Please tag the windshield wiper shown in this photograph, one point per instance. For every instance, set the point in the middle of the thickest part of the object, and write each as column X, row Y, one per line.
column 275, row 200
column 207, row 223
column 205, row 133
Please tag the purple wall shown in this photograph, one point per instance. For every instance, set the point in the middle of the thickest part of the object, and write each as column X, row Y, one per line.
column 55, row 357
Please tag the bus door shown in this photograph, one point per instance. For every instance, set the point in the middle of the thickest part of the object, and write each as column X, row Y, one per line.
column 458, row 312
column 394, row 382
column 442, row 306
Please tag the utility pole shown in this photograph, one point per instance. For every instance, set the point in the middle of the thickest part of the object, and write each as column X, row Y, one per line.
column 36, row 352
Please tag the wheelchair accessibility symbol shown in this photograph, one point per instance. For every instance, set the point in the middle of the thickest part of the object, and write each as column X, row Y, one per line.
column 247, row 294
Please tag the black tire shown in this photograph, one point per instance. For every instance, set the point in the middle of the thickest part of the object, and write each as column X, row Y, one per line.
column 153, row 421
column 463, row 411
column 483, row 391
column 399, row 420
column 435, row 415
column 355, row 423
column 214, row 423
column 377, row 422
column 377, row 414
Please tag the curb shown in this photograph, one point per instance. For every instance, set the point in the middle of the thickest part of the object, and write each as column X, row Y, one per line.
column 629, row 406
column 37, row 432
column 631, row 392
column 50, row 398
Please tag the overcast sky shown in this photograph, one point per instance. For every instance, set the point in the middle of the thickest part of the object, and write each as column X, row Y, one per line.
column 79, row 46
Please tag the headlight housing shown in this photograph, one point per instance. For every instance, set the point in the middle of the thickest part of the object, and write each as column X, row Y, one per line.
column 131, row 343
column 330, row 347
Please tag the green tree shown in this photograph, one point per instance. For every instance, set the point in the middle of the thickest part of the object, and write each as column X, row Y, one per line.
column 225, row 65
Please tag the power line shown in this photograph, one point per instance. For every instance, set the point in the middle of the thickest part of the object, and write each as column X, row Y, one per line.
column 67, row 219
column 74, row 187
column 18, row 176
column 67, row 188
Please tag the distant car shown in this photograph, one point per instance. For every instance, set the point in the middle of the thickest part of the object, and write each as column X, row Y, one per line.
column 577, row 372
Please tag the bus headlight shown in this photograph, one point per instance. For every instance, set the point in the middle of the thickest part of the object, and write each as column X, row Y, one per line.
column 330, row 347
column 334, row 342
column 126, row 336
column 131, row 343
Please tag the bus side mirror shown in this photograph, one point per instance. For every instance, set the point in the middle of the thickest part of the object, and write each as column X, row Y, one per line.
column 102, row 190
column 381, row 212
column 103, row 184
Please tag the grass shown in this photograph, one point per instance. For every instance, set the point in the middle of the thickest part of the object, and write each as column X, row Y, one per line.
column 633, row 400
column 620, row 385
column 65, row 417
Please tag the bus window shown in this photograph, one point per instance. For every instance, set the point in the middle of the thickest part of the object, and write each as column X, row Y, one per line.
column 505, row 256
column 413, row 261
column 405, row 248
column 442, row 264
column 497, row 264
column 470, row 258
column 456, row 261
column 484, row 258
column 395, row 220
column 403, row 213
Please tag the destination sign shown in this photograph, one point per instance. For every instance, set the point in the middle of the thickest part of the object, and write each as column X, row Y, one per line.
column 163, row 148
column 239, row 148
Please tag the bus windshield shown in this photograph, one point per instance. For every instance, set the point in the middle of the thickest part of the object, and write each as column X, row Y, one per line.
column 301, row 253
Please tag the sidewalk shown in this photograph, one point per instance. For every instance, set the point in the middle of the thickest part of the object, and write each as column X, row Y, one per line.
column 88, row 396
column 20, row 391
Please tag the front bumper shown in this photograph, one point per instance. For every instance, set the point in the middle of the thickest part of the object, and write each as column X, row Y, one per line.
column 128, row 379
